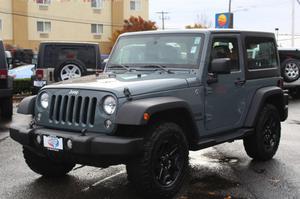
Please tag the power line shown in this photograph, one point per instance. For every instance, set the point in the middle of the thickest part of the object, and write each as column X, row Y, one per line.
column 69, row 20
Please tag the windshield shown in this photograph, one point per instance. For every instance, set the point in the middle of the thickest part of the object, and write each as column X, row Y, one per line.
column 167, row 50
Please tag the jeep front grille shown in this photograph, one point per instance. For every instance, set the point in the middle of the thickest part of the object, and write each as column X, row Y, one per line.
column 73, row 110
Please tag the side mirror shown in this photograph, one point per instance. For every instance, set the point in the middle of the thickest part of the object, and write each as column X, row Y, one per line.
column 220, row 66
column 103, row 64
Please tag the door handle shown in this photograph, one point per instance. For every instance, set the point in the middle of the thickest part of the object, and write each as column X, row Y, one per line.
column 239, row 82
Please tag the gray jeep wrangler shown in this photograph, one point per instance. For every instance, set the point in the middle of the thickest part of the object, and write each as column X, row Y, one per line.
column 162, row 94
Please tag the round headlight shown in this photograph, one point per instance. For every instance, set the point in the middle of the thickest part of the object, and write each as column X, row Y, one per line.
column 109, row 105
column 44, row 100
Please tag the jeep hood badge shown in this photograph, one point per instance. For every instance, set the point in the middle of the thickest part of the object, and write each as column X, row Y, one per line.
column 73, row 92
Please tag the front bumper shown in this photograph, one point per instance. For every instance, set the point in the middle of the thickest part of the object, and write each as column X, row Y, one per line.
column 90, row 149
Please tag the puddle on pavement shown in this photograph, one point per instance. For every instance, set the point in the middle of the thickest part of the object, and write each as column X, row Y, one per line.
column 294, row 122
column 210, row 187
column 216, row 157
column 210, row 176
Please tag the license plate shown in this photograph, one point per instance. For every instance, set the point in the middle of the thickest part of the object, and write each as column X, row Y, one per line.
column 53, row 143
column 39, row 83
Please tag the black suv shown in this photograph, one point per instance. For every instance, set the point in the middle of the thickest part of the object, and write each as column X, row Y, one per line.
column 162, row 94
column 60, row 61
column 6, row 89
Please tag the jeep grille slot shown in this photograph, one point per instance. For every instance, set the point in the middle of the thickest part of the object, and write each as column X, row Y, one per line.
column 73, row 110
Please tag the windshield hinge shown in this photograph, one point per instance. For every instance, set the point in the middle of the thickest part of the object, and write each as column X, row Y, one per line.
column 127, row 93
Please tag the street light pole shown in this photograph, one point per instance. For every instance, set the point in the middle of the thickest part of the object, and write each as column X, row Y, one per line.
column 293, row 23
column 277, row 34
column 229, row 9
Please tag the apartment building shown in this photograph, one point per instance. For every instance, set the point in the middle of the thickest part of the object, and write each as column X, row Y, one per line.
column 25, row 23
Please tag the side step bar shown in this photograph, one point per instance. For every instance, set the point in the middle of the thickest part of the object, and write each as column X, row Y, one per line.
column 225, row 137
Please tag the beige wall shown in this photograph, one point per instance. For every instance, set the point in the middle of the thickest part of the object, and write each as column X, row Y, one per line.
column 7, row 30
column 143, row 12
column 79, row 12
column 70, row 21
column 20, row 25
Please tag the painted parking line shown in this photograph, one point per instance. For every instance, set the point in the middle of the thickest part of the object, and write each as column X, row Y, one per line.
column 103, row 180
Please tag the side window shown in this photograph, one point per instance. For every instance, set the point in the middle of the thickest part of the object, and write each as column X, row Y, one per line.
column 261, row 53
column 226, row 48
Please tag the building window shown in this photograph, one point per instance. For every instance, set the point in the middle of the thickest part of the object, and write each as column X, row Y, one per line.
column 44, row 26
column 1, row 25
column 97, row 29
column 135, row 5
column 97, row 4
column 44, row 2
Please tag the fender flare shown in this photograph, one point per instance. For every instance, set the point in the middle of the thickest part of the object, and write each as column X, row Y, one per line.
column 26, row 106
column 259, row 100
column 131, row 113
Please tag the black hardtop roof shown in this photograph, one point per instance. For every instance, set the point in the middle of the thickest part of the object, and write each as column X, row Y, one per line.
column 67, row 43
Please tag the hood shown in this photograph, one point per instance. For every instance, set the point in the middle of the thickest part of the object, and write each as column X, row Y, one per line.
column 137, row 84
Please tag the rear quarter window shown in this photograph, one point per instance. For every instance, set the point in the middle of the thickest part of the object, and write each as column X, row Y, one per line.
column 261, row 53
column 261, row 57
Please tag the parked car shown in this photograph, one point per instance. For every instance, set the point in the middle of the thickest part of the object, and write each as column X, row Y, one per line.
column 60, row 61
column 22, row 72
column 6, row 88
column 163, row 93
column 290, row 70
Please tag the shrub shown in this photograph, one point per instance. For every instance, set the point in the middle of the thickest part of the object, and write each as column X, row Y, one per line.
column 22, row 86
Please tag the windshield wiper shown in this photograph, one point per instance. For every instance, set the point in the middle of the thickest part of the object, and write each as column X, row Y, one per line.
column 157, row 66
column 120, row 66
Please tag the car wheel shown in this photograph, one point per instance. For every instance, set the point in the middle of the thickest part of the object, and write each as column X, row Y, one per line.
column 290, row 70
column 7, row 108
column 263, row 144
column 161, row 170
column 68, row 71
column 45, row 166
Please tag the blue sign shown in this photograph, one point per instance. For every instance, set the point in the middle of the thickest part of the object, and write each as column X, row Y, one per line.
column 224, row 20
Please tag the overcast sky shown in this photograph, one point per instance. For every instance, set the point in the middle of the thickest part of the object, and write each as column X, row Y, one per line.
column 264, row 15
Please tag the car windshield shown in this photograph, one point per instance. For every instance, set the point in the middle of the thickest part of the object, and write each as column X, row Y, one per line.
column 157, row 50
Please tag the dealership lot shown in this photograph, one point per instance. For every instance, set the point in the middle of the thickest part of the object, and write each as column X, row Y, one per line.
column 224, row 171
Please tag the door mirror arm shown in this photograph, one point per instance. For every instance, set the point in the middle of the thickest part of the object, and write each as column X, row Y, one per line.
column 212, row 78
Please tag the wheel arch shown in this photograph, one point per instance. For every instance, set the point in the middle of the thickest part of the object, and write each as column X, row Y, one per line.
column 26, row 106
column 161, row 108
column 268, row 95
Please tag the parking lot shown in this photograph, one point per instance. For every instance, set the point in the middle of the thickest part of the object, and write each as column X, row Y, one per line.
column 224, row 171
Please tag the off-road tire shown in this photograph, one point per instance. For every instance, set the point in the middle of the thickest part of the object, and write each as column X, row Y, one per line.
column 45, row 166
column 294, row 73
column 6, row 108
column 263, row 144
column 141, row 171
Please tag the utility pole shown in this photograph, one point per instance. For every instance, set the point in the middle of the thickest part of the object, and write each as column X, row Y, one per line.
column 277, row 34
column 229, row 9
column 163, row 18
column 293, row 23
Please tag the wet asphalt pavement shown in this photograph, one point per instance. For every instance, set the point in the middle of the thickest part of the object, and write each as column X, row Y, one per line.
column 224, row 171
